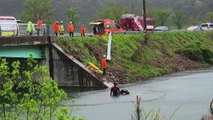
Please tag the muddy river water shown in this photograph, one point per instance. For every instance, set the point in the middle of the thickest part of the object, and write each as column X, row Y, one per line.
column 190, row 92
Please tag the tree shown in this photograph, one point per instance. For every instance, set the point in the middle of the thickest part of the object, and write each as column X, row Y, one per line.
column 72, row 14
column 177, row 19
column 209, row 17
column 160, row 16
column 111, row 11
column 30, row 93
column 35, row 9
column 193, row 21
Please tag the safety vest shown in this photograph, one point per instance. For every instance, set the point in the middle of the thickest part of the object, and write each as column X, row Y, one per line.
column 61, row 28
column 30, row 27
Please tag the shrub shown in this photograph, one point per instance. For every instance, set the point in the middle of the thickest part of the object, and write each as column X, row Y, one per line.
column 142, row 114
column 197, row 52
column 29, row 93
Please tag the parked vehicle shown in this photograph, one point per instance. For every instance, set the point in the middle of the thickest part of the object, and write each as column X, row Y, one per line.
column 131, row 22
column 161, row 28
column 104, row 26
column 207, row 26
column 8, row 26
column 194, row 28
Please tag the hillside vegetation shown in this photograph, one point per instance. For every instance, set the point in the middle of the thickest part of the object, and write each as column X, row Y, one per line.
column 194, row 10
column 165, row 53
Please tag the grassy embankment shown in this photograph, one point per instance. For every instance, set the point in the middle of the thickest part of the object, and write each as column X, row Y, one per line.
column 132, row 61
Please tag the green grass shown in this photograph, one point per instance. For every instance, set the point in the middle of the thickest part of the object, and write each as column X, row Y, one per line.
column 129, row 55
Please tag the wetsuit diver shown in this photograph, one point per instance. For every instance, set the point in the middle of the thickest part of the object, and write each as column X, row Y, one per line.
column 115, row 91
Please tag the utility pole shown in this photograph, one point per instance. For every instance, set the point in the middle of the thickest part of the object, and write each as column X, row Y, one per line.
column 144, row 20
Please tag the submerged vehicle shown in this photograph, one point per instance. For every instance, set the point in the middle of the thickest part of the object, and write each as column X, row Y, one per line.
column 104, row 26
column 8, row 26
column 131, row 22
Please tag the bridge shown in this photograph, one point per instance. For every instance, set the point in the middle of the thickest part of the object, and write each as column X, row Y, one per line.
column 63, row 67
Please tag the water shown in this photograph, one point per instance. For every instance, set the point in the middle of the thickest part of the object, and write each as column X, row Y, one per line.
column 189, row 92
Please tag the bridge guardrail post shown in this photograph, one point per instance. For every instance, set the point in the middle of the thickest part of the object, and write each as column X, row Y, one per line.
column 0, row 30
column 47, row 30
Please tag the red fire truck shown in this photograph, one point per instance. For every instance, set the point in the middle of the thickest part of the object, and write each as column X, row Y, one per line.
column 131, row 22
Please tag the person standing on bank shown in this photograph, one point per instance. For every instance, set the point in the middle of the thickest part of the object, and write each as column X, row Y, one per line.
column 104, row 64
column 30, row 28
column 38, row 25
column 70, row 29
column 56, row 28
column 61, row 28
column 83, row 30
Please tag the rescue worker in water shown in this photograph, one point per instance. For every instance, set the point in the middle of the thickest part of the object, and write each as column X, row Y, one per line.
column 115, row 91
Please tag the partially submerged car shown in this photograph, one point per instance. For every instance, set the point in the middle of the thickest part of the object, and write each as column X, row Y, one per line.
column 104, row 26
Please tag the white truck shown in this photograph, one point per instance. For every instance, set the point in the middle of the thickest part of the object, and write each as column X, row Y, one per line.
column 8, row 26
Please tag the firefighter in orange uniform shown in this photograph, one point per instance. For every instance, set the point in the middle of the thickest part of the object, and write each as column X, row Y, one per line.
column 104, row 64
column 56, row 28
column 38, row 25
column 70, row 29
column 83, row 30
